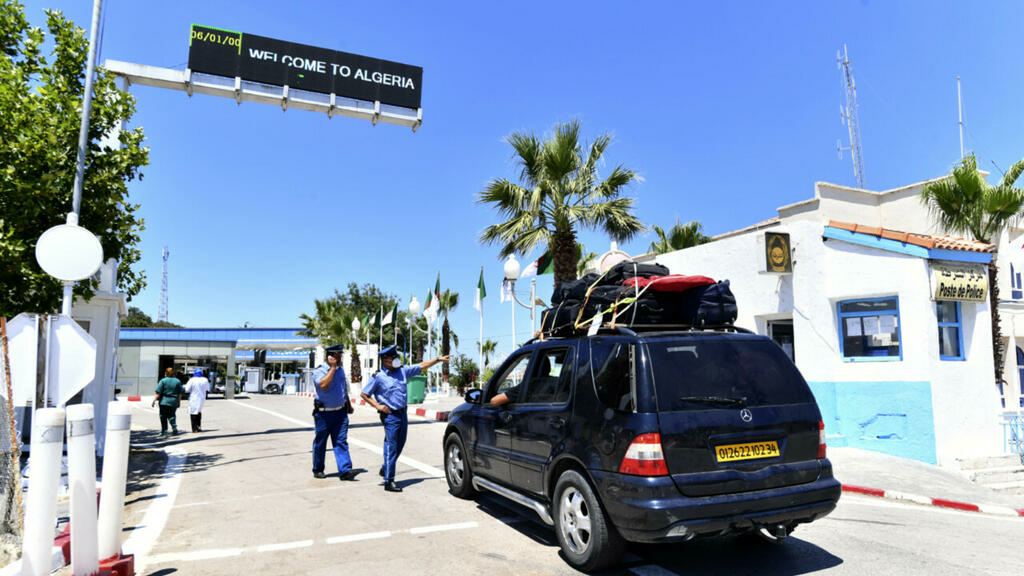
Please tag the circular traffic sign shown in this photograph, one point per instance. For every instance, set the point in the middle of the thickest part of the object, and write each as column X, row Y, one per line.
column 69, row 252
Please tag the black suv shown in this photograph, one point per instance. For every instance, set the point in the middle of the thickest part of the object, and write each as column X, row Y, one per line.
column 654, row 436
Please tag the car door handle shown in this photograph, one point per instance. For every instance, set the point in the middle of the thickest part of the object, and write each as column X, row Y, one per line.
column 557, row 422
column 505, row 416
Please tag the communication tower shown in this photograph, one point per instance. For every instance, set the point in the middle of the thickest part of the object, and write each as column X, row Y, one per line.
column 161, row 315
column 848, row 113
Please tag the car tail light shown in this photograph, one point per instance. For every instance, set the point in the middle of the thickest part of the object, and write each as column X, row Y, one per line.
column 645, row 457
column 821, row 439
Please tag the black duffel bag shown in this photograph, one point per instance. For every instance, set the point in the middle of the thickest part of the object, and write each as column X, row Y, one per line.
column 560, row 320
column 625, row 270
column 712, row 305
column 573, row 289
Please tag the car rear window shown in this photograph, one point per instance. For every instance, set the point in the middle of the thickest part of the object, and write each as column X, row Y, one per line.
column 697, row 374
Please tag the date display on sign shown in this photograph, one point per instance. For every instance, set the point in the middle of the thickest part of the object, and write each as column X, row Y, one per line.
column 748, row 451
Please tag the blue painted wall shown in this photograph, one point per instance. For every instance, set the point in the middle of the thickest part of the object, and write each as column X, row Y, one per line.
column 890, row 417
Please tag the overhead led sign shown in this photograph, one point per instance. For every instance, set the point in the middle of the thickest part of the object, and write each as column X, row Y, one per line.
column 279, row 63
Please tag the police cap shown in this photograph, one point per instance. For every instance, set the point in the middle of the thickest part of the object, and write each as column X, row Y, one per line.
column 336, row 349
column 389, row 351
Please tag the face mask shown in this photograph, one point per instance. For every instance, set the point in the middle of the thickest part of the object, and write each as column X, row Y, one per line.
column 396, row 363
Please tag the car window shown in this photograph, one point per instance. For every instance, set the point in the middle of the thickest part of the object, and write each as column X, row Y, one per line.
column 610, row 362
column 550, row 377
column 720, row 373
column 511, row 380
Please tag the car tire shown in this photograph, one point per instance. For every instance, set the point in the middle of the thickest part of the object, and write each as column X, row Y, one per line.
column 588, row 539
column 456, row 468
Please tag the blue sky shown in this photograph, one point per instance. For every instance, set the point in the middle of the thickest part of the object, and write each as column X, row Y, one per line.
column 726, row 109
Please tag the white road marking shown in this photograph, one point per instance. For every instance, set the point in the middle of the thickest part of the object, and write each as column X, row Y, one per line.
column 883, row 503
column 284, row 546
column 422, row 467
column 443, row 528
column 142, row 538
column 358, row 537
column 195, row 555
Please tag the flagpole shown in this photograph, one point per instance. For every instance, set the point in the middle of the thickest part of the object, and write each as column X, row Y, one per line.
column 380, row 335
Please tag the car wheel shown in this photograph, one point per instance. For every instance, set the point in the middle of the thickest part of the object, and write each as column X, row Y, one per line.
column 456, row 468
column 588, row 539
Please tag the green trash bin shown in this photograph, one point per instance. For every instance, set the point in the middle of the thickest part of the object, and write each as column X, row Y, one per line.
column 417, row 389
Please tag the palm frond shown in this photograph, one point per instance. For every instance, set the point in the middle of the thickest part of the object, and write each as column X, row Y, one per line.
column 1011, row 176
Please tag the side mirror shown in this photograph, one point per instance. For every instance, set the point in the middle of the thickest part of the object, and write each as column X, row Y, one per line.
column 473, row 395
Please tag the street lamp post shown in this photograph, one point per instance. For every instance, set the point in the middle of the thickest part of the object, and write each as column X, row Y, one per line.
column 414, row 311
column 355, row 342
column 511, row 275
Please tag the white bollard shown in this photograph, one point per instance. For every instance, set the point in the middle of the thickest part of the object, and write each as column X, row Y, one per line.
column 82, row 486
column 115, row 474
column 41, row 503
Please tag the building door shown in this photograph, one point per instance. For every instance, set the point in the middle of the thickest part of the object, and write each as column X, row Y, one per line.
column 1020, row 380
column 781, row 331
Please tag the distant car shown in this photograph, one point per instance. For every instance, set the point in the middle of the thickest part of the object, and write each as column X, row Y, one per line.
column 655, row 436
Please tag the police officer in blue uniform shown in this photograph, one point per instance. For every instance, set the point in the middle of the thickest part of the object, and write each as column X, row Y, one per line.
column 330, row 415
column 387, row 392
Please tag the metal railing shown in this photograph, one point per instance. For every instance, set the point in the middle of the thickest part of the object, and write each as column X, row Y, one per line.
column 1013, row 434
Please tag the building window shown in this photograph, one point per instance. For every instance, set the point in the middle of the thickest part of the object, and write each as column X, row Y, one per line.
column 869, row 329
column 1016, row 288
column 951, row 343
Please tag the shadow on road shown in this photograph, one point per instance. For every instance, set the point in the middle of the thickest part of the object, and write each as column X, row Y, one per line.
column 727, row 556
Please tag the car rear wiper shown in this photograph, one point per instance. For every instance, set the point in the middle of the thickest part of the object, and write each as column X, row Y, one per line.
column 742, row 401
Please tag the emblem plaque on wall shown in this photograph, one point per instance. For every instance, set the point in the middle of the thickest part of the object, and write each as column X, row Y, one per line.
column 777, row 252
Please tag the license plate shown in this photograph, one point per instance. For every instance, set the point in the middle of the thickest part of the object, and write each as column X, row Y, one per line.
column 748, row 451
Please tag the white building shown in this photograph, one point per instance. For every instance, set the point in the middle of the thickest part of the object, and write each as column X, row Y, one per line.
column 887, row 319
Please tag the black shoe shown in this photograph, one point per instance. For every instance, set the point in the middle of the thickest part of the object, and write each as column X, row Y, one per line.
column 381, row 473
column 350, row 475
column 392, row 487
column 319, row 475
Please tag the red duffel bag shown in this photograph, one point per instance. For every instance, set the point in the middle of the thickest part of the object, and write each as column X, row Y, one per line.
column 670, row 283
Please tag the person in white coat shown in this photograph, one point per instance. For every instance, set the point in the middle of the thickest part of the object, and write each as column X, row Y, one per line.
column 197, row 388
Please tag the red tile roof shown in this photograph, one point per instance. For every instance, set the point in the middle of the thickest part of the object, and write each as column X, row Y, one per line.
column 929, row 241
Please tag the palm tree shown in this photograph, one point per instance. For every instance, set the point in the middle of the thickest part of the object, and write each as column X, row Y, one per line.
column 447, row 301
column 583, row 259
column 679, row 237
column 964, row 203
column 488, row 348
column 559, row 193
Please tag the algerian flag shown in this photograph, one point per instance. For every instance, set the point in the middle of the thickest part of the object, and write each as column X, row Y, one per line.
column 543, row 265
column 435, row 303
column 372, row 320
column 506, row 291
column 389, row 317
column 481, row 293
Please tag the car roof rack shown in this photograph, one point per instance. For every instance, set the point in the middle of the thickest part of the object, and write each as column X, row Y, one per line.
column 638, row 329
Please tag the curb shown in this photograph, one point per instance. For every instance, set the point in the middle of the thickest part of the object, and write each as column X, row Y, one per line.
column 940, row 502
column 436, row 415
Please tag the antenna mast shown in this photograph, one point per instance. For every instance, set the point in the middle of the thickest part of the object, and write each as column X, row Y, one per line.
column 960, row 113
column 161, row 315
column 849, row 117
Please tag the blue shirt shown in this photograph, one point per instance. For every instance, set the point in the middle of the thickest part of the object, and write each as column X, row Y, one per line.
column 389, row 387
column 336, row 393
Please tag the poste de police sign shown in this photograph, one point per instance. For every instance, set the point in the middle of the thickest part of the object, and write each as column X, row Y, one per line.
column 279, row 63
column 964, row 282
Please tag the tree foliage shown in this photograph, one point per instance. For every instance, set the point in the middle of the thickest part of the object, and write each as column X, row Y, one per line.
column 679, row 237
column 40, row 113
column 138, row 319
column 488, row 348
column 964, row 203
column 464, row 372
column 331, row 321
column 448, row 301
column 560, row 191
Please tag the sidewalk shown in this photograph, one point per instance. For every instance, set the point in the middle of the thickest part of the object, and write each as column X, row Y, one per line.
column 915, row 481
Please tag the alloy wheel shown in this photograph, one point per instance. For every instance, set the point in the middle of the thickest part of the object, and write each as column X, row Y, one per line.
column 575, row 520
column 455, row 464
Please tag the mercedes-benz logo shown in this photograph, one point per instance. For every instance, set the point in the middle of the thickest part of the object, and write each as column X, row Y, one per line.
column 745, row 415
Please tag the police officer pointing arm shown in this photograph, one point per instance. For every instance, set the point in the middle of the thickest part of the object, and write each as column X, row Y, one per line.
column 387, row 392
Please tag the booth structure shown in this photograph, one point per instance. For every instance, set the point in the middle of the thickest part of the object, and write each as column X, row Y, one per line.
column 887, row 317
column 146, row 352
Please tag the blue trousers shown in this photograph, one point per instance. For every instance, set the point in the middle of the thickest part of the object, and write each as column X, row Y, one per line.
column 396, row 427
column 335, row 425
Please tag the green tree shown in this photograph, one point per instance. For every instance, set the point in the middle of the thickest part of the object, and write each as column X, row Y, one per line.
column 964, row 203
column 679, row 237
column 559, row 192
column 40, row 102
column 583, row 259
column 448, row 301
column 136, row 318
column 466, row 372
column 488, row 348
